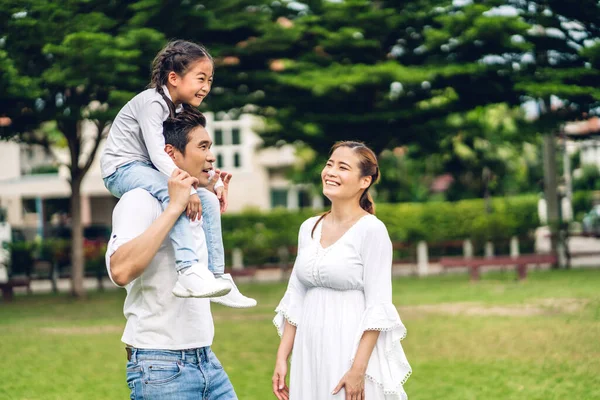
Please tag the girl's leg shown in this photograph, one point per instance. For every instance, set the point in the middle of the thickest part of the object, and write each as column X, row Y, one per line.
column 211, row 223
column 141, row 175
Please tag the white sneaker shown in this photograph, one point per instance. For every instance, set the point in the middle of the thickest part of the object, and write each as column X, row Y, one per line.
column 235, row 298
column 198, row 281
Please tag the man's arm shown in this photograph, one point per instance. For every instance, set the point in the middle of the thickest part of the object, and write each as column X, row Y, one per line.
column 131, row 258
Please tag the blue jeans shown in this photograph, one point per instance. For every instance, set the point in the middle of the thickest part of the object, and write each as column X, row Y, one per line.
column 211, row 223
column 194, row 374
column 139, row 174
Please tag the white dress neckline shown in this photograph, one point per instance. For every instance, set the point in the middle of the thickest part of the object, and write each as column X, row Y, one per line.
column 319, row 231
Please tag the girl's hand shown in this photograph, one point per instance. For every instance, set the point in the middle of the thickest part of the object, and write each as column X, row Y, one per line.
column 180, row 184
column 354, row 382
column 194, row 207
column 213, row 180
column 280, row 389
column 223, row 191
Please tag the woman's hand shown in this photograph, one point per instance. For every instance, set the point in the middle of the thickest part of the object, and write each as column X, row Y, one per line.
column 354, row 382
column 280, row 389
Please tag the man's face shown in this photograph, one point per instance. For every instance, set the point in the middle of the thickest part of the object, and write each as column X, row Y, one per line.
column 198, row 159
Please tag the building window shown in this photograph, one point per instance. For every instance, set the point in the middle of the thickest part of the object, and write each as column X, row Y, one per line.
column 304, row 199
column 29, row 206
column 235, row 136
column 218, row 137
column 220, row 161
column 237, row 160
column 279, row 198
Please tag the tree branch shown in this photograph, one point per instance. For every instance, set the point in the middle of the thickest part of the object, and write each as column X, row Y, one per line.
column 100, row 125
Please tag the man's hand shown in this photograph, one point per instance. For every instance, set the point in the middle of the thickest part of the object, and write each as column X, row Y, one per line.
column 194, row 208
column 223, row 191
column 180, row 183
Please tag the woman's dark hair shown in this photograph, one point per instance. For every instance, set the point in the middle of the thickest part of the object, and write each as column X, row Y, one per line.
column 368, row 167
column 176, row 56
column 176, row 130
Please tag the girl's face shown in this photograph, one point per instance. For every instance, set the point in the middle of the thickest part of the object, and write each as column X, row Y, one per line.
column 341, row 176
column 194, row 85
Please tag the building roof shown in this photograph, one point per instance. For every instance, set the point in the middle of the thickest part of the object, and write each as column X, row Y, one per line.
column 49, row 186
column 583, row 129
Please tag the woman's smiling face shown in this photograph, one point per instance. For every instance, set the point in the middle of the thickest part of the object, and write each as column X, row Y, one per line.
column 342, row 177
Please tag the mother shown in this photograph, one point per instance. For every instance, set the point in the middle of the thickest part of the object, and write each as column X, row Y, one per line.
column 337, row 314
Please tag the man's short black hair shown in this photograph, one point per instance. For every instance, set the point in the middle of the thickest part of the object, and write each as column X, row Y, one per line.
column 176, row 130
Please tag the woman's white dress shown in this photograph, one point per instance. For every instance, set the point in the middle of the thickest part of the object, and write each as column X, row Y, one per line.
column 333, row 296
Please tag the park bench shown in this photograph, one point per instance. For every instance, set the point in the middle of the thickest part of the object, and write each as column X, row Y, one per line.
column 476, row 263
column 7, row 287
column 246, row 272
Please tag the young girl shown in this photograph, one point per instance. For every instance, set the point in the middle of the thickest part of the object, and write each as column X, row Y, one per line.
column 134, row 157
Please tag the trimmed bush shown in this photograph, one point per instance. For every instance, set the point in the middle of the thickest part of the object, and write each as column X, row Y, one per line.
column 259, row 234
column 583, row 202
column 22, row 255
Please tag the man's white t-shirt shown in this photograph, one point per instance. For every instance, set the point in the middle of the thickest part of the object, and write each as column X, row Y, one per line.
column 156, row 319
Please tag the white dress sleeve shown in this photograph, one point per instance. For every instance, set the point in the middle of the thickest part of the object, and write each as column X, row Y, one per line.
column 290, row 306
column 388, row 366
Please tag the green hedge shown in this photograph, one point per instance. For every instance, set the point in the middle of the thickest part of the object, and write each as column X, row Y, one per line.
column 582, row 203
column 260, row 234
column 23, row 255
column 442, row 221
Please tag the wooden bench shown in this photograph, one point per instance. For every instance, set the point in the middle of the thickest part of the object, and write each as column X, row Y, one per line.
column 7, row 287
column 474, row 264
column 247, row 272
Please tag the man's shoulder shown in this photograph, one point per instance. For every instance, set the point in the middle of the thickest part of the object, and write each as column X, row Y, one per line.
column 139, row 201
column 139, row 196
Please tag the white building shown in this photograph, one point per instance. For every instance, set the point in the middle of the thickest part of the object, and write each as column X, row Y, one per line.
column 258, row 177
column 584, row 135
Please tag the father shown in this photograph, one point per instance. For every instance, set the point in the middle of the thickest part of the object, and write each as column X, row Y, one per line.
column 168, row 338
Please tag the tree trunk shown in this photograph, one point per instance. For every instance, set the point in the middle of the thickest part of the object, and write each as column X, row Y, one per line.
column 77, row 259
column 99, row 278
column 54, row 276
column 74, row 135
column 550, row 190
column 486, row 175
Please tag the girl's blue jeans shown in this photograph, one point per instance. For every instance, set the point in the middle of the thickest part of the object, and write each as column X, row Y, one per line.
column 138, row 174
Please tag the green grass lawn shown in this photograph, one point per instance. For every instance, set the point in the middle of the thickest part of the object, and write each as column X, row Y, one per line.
column 497, row 339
